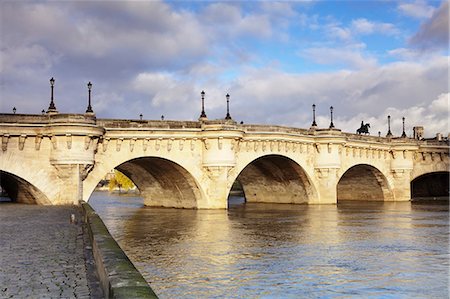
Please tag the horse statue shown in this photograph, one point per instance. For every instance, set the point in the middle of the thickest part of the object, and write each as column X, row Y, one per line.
column 364, row 128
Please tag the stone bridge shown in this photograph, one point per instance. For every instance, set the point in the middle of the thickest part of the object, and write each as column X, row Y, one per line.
column 60, row 158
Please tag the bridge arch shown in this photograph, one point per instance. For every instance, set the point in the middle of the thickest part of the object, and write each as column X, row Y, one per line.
column 431, row 185
column 276, row 179
column 161, row 182
column 20, row 190
column 364, row 182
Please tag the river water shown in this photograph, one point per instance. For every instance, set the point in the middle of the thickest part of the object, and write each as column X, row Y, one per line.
column 353, row 249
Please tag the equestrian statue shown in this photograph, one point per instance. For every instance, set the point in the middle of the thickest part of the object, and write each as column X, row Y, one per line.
column 364, row 128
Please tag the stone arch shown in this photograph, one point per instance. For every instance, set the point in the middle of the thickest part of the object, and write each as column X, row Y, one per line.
column 275, row 179
column 431, row 185
column 162, row 182
column 364, row 182
column 22, row 191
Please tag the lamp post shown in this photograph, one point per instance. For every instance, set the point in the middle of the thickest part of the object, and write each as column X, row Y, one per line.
column 52, row 107
column 89, row 107
column 403, row 133
column 228, row 116
column 140, row 116
column 203, row 114
column 389, row 133
column 14, row 110
column 314, row 124
column 331, row 113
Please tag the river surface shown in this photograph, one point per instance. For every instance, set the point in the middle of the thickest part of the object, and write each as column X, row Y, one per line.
column 353, row 249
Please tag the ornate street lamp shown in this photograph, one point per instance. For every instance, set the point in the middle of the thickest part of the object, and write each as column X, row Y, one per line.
column 331, row 113
column 228, row 116
column 14, row 110
column 140, row 116
column 403, row 133
column 89, row 107
column 203, row 114
column 389, row 133
column 314, row 124
column 52, row 107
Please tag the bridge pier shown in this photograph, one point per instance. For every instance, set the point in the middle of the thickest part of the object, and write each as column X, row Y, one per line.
column 216, row 188
column 401, row 185
column 327, row 180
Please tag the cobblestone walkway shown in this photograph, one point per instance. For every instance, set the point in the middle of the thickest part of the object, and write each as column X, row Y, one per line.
column 43, row 255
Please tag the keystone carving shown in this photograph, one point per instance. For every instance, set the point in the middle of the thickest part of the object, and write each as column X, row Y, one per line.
column 145, row 144
column 158, row 144
column 119, row 144
column 181, row 143
column 37, row 142
column 5, row 142
column 69, row 141
column 206, row 143
column 105, row 144
column 132, row 142
column 22, row 141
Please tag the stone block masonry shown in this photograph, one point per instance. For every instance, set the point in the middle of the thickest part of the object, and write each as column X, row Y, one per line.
column 118, row 276
column 44, row 255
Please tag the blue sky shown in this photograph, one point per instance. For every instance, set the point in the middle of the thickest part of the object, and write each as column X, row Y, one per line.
column 368, row 59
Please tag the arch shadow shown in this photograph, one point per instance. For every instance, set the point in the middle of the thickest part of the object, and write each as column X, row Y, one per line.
column 431, row 186
column 20, row 190
column 275, row 179
column 162, row 183
column 364, row 182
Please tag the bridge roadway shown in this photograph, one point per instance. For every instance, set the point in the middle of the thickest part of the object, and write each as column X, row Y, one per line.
column 60, row 158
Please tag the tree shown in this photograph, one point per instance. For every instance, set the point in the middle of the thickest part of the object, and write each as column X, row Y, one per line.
column 121, row 181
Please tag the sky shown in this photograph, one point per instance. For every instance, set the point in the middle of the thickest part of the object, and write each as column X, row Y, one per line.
column 367, row 59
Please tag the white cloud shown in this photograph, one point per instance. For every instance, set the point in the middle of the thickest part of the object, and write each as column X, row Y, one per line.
column 364, row 26
column 338, row 32
column 418, row 9
column 351, row 56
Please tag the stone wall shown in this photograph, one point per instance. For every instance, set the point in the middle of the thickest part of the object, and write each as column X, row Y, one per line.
column 118, row 276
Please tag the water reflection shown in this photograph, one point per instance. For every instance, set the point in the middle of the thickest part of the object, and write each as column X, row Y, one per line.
column 290, row 251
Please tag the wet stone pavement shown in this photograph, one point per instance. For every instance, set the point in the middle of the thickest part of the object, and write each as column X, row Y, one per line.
column 43, row 254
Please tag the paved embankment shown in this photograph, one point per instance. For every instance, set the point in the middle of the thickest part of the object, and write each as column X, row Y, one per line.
column 44, row 255
column 118, row 276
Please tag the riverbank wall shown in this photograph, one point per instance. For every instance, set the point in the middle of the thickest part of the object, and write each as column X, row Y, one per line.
column 119, row 278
